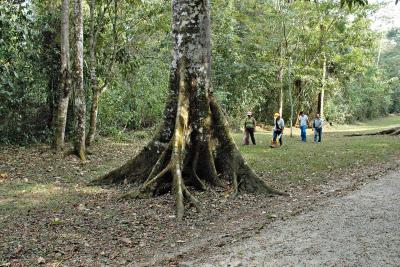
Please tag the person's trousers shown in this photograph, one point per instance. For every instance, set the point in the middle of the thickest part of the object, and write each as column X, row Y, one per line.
column 317, row 135
column 276, row 134
column 250, row 131
column 303, row 132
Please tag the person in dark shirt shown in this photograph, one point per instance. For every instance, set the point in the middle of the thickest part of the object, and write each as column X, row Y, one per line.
column 249, row 129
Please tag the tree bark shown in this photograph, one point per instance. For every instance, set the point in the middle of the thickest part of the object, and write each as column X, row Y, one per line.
column 193, row 147
column 281, row 90
column 290, row 96
column 322, row 93
column 98, row 90
column 80, row 105
column 65, row 88
column 93, row 77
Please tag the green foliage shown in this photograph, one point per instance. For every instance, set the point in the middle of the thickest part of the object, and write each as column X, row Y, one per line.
column 390, row 62
column 252, row 41
column 24, row 84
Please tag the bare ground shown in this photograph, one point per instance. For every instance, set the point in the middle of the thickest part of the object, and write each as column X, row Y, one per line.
column 48, row 216
column 359, row 229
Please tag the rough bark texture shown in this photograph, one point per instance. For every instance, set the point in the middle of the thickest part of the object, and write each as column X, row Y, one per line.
column 93, row 77
column 193, row 147
column 80, row 105
column 65, row 87
column 391, row 131
column 97, row 89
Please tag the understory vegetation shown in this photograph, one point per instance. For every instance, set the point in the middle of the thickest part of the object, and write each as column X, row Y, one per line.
column 259, row 48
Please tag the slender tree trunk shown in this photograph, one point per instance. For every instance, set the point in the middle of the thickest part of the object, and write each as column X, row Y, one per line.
column 322, row 94
column 80, row 105
column 280, row 74
column 281, row 90
column 193, row 146
column 93, row 77
column 379, row 51
column 97, row 90
column 65, row 87
column 93, row 117
column 290, row 97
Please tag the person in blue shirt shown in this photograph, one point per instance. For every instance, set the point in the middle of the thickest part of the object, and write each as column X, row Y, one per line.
column 317, row 128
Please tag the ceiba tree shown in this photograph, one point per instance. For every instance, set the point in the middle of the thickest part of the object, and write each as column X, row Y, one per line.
column 193, row 146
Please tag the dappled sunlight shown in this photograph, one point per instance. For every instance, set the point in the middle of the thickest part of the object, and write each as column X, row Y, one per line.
column 15, row 196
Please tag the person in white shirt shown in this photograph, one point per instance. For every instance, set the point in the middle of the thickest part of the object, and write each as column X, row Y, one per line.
column 303, row 122
column 278, row 130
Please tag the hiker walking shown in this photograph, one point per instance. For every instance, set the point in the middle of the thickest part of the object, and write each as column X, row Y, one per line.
column 317, row 128
column 303, row 122
column 277, row 133
column 249, row 129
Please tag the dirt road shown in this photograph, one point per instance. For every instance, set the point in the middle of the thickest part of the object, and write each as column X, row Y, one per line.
column 359, row 229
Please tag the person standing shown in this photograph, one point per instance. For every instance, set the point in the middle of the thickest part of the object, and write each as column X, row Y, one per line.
column 303, row 122
column 317, row 128
column 278, row 130
column 249, row 129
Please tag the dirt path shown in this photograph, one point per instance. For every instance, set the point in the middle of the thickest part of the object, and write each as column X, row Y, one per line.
column 359, row 229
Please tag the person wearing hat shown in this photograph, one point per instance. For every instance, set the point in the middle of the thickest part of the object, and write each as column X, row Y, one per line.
column 249, row 129
column 277, row 133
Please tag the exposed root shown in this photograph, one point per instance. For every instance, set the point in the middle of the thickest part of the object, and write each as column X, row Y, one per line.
column 161, row 166
column 160, row 162
column 147, row 189
column 138, row 169
column 178, row 192
column 391, row 131
column 235, row 184
column 199, row 182
column 396, row 132
column 231, row 159
column 192, row 199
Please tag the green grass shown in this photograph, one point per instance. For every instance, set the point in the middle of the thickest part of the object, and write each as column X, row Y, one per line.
column 368, row 126
column 298, row 161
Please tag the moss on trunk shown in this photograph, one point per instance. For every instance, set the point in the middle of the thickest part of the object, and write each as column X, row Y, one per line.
column 193, row 146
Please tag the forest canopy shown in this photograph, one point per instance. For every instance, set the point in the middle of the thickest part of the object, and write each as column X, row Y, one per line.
column 260, row 49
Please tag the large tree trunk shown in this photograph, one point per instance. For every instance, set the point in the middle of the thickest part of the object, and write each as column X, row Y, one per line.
column 80, row 105
column 65, row 87
column 193, row 147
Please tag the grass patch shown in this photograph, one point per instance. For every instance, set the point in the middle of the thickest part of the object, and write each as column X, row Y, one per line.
column 298, row 161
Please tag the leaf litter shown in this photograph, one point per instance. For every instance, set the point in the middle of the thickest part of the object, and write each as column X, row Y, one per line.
column 50, row 217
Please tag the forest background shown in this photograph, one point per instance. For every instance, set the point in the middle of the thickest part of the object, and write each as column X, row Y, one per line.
column 267, row 56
